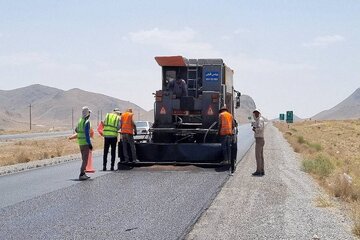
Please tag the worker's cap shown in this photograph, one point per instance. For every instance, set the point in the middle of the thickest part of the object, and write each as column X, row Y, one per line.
column 85, row 111
column 256, row 110
column 129, row 110
column 117, row 110
column 223, row 108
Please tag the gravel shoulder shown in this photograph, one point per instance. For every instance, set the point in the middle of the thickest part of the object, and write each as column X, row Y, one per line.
column 280, row 205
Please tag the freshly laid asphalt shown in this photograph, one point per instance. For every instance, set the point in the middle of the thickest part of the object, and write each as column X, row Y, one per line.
column 144, row 203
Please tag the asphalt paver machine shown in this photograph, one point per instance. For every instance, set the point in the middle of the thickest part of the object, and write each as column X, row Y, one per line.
column 185, row 129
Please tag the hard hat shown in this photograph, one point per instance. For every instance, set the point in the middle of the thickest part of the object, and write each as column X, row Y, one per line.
column 223, row 108
column 117, row 110
column 257, row 110
column 85, row 111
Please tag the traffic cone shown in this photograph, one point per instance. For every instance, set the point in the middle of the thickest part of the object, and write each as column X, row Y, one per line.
column 89, row 166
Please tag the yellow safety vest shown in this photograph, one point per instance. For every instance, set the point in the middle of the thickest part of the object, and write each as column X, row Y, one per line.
column 81, row 138
column 111, row 125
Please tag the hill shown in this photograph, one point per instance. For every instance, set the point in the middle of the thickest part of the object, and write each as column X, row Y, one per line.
column 247, row 106
column 347, row 109
column 52, row 107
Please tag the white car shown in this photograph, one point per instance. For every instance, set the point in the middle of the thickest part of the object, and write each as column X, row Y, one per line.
column 142, row 129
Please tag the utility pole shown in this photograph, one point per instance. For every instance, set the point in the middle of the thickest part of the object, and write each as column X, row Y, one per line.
column 72, row 119
column 98, row 117
column 30, row 115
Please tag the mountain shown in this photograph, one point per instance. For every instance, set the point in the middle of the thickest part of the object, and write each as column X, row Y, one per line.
column 347, row 109
column 52, row 107
column 247, row 106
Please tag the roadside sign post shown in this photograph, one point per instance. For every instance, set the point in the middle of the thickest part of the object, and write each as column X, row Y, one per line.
column 282, row 117
column 289, row 116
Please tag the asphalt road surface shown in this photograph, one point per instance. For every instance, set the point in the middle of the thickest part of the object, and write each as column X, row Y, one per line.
column 159, row 202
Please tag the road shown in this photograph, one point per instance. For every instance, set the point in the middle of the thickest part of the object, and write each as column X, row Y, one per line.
column 144, row 203
column 40, row 135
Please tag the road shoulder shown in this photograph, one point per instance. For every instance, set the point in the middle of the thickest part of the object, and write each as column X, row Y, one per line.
column 280, row 205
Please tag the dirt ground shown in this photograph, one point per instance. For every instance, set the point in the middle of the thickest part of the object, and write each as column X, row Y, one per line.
column 331, row 154
column 338, row 140
column 21, row 151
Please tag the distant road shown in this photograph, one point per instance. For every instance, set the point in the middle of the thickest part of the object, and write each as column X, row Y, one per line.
column 156, row 202
column 40, row 135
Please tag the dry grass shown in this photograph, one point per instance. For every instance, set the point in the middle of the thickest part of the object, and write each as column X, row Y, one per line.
column 30, row 150
column 323, row 201
column 331, row 153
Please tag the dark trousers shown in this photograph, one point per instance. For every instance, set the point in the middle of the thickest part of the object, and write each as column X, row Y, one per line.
column 233, row 153
column 128, row 139
column 109, row 142
column 226, row 147
column 85, row 150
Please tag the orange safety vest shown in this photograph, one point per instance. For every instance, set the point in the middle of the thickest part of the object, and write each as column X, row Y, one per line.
column 226, row 120
column 127, row 123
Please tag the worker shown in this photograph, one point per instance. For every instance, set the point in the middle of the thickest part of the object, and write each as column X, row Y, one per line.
column 128, row 130
column 110, row 133
column 226, row 127
column 258, row 128
column 178, row 87
column 83, row 137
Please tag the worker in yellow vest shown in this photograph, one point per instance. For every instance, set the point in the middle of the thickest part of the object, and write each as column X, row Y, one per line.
column 83, row 137
column 226, row 127
column 110, row 133
column 128, row 130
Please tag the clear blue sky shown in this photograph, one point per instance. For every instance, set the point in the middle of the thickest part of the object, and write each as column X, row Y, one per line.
column 288, row 55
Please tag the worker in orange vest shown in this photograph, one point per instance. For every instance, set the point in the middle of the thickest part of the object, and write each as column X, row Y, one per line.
column 226, row 127
column 128, row 130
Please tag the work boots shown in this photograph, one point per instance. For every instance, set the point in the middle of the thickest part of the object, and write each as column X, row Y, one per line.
column 83, row 177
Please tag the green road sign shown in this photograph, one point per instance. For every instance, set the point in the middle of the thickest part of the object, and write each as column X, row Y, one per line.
column 282, row 117
column 289, row 116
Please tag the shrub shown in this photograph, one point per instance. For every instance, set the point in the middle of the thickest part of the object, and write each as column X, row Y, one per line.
column 22, row 157
column 316, row 146
column 45, row 155
column 300, row 139
column 342, row 187
column 320, row 166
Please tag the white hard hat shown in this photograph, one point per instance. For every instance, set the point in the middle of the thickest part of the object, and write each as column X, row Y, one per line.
column 257, row 110
column 85, row 111
column 117, row 110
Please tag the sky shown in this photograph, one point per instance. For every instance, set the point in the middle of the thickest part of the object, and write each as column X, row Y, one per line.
column 299, row 55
